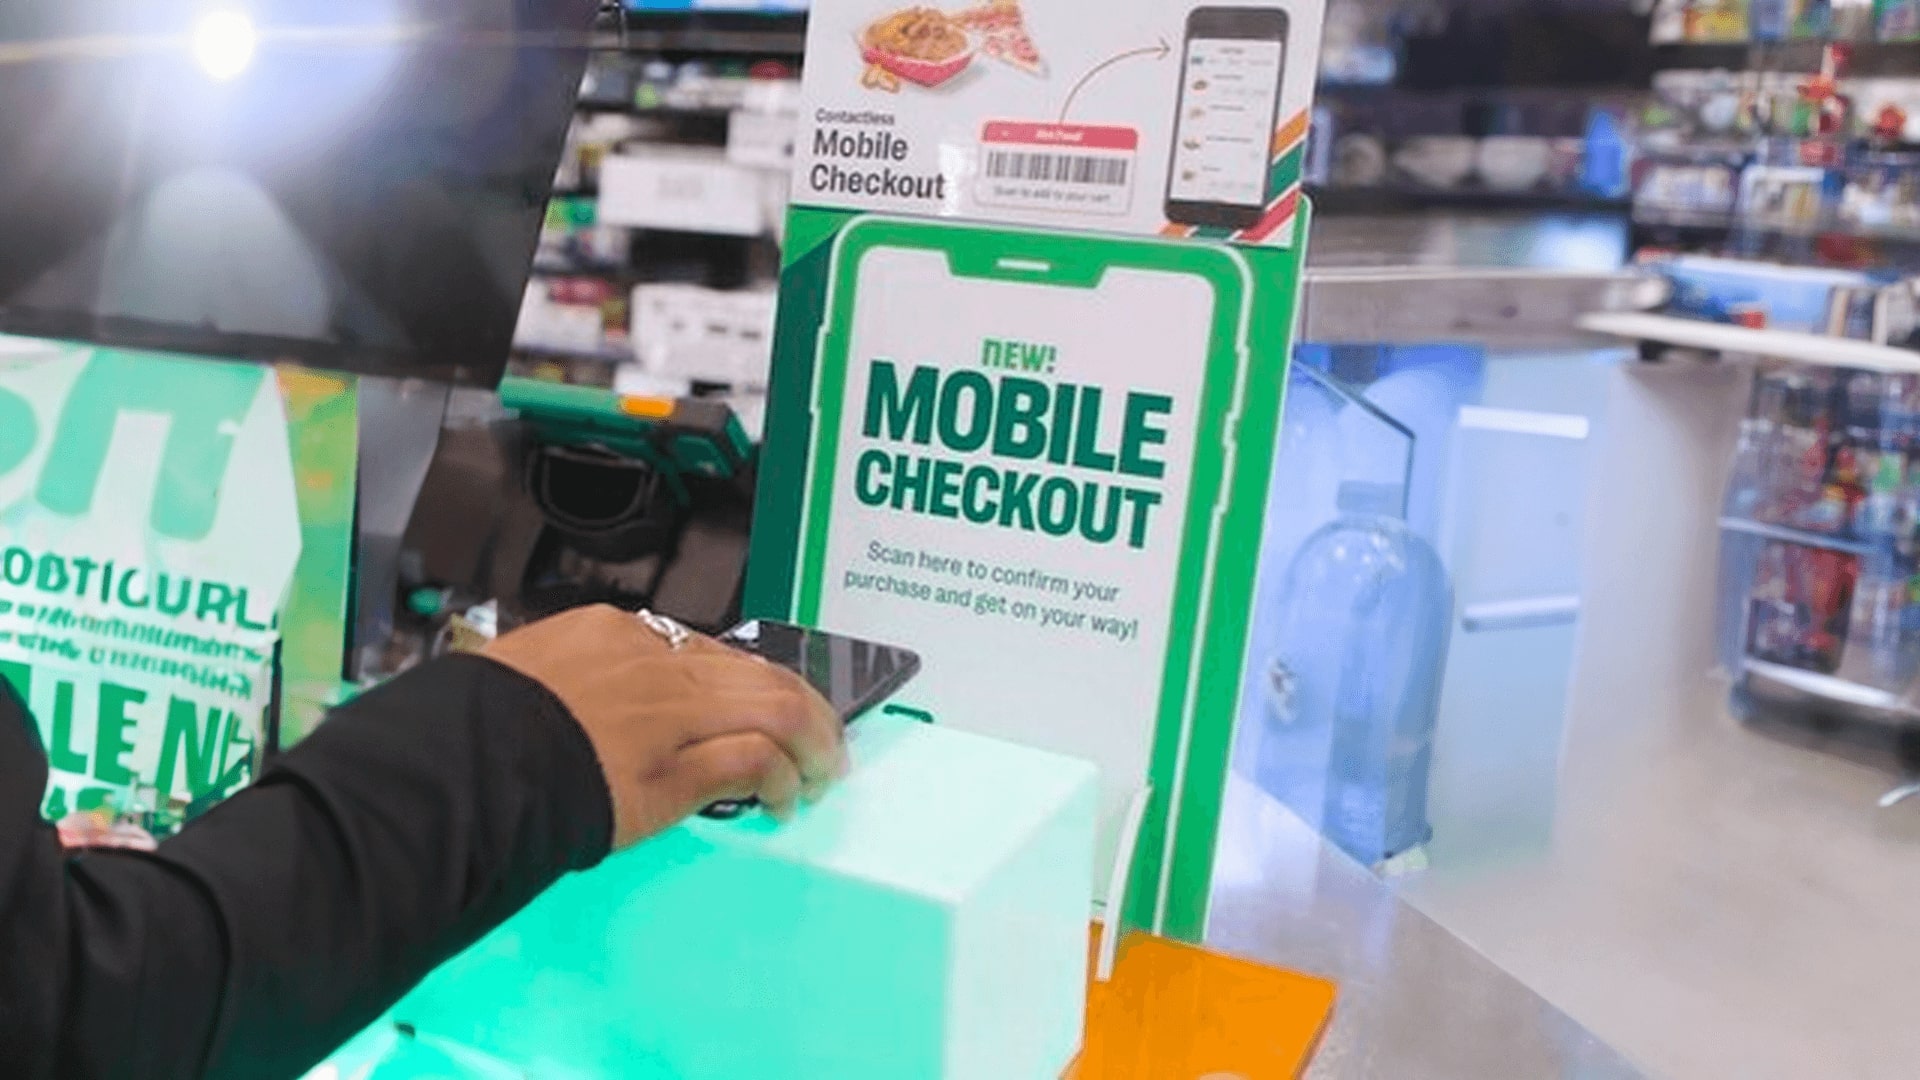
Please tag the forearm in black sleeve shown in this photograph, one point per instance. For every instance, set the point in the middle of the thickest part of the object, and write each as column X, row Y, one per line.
column 271, row 930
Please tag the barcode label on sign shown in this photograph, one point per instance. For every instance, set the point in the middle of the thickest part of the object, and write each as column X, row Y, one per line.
column 1066, row 168
column 1077, row 168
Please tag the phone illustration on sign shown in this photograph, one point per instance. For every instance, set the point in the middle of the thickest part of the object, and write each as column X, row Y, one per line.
column 1229, row 106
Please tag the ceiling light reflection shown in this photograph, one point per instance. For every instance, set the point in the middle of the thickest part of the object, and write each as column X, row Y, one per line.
column 224, row 43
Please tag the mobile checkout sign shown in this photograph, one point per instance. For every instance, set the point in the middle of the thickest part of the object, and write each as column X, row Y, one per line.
column 1040, row 293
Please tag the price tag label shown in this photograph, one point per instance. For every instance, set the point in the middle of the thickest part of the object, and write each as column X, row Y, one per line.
column 1072, row 168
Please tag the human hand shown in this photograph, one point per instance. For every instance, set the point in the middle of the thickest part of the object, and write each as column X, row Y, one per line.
column 99, row 829
column 679, row 730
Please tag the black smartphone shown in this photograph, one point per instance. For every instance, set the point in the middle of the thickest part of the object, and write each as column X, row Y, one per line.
column 853, row 675
column 1233, row 64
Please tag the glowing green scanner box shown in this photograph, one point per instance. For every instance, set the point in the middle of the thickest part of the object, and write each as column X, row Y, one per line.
column 927, row 919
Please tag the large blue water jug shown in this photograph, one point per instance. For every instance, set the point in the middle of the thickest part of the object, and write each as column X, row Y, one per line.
column 1353, row 689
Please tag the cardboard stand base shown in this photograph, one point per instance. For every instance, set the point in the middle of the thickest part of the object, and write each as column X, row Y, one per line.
column 1173, row 1010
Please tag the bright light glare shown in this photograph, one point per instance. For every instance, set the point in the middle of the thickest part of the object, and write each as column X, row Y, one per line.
column 223, row 42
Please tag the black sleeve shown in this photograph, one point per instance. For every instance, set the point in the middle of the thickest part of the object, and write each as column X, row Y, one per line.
column 287, row 919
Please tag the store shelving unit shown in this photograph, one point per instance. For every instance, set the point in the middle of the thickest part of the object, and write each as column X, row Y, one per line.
column 1818, row 528
column 1464, row 71
column 708, row 33
column 713, row 114
column 1869, row 59
column 1871, row 700
column 1787, row 150
column 1820, row 525
column 1729, row 222
column 1396, row 199
column 722, row 45
column 605, row 354
column 1802, row 537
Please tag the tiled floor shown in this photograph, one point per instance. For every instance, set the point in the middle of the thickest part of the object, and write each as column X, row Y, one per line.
column 1715, row 902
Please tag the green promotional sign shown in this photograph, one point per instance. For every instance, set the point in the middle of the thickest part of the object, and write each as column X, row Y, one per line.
column 1042, row 461
column 150, row 534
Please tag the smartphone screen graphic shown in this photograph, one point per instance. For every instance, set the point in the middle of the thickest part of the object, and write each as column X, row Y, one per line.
column 853, row 675
column 1235, row 59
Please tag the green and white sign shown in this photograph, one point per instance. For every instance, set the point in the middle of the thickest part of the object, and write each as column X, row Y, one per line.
column 1042, row 461
column 149, row 533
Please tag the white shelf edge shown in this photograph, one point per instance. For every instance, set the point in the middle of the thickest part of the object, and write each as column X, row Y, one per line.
column 1826, row 686
column 1790, row 535
column 1779, row 344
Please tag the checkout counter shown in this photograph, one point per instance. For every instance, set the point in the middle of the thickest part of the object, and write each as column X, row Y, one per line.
column 1412, row 998
column 1415, row 1000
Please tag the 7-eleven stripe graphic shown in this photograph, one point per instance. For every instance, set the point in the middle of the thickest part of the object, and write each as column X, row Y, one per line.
column 1289, row 158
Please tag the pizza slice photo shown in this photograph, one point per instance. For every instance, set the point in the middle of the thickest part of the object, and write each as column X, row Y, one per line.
column 1002, row 26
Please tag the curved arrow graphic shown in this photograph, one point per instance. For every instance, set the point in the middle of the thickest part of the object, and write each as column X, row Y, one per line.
column 1158, row 52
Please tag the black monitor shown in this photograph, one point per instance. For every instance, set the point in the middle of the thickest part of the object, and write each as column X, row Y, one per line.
column 348, row 184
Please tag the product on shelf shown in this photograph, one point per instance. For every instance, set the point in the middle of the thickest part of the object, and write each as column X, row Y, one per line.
column 1717, row 20
column 1688, row 188
column 1783, row 196
column 1768, row 21
column 708, row 335
column 1831, row 456
column 700, row 148
column 1897, row 20
column 1801, row 602
column 1882, row 195
column 1514, row 162
column 573, row 314
column 1669, row 22
column 1437, row 161
column 572, row 239
column 1359, row 160
column 1835, row 457
column 589, row 140
column 684, row 189
column 1848, row 20
column 1816, row 161
column 1765, row 295
column 1813, row 19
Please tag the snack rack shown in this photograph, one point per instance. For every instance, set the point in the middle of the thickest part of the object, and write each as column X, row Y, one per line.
column 1820, row 567
column 1819, row 579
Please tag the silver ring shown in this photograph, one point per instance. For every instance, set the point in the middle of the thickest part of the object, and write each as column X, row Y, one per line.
column 675, row 635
